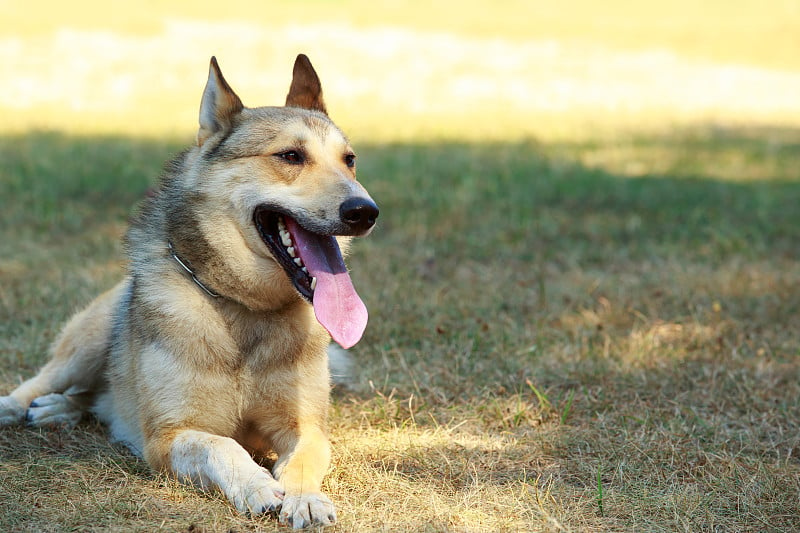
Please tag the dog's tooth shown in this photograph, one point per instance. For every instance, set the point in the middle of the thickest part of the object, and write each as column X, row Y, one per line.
column 313, row 283
column 286, row 239
column 305, row 270
column 290, row 249
column 298, row 261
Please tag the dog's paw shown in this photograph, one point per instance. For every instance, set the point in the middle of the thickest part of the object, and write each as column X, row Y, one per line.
column 11, row 412
column 53, row 410
column 305, row 510
column 261, row 495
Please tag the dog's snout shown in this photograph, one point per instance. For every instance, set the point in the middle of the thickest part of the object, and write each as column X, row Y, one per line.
column 359, row 213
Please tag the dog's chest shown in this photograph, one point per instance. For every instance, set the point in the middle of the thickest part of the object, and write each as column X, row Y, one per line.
column 266, row 341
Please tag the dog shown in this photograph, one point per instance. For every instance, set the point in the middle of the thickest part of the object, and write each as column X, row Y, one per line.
column 211, row 354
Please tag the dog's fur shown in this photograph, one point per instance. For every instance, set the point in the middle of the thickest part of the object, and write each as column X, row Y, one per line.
column 200, row 368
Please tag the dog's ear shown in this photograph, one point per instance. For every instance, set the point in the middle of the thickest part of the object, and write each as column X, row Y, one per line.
column 219, row 105
column 306, row 90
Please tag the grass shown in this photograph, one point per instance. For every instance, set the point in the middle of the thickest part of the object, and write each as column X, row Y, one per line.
column 553, row 345
column 578, row 323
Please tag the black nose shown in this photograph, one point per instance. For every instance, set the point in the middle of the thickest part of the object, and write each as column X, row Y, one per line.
column 359, row 214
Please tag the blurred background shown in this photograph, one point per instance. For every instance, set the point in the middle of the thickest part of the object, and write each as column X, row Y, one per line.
column 395, row 70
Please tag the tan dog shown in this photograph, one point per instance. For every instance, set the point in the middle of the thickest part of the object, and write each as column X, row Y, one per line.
column 212, row 350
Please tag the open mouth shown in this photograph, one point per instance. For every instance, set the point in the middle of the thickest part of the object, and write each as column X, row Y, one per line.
column 271, row 226
column 314, row 265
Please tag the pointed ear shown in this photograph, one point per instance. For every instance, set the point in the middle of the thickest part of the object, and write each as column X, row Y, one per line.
column 219, row 105
column 306, row 90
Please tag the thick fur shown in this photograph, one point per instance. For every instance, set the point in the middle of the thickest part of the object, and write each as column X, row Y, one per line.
column 200, row 385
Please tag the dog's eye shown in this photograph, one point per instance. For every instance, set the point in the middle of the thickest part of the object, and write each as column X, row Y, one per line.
column 292, row 156
column 350, row 160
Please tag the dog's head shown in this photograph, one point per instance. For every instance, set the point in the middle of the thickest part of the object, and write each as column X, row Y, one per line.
column 279, row 192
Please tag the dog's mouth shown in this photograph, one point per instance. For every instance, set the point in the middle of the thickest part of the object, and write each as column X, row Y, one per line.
column 272, row 228
column 314, row 265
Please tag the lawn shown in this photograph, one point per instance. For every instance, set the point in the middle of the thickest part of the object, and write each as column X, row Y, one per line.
column 576, row 322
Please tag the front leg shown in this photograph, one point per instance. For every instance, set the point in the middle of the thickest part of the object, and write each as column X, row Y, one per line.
column 211, row 461
column 303, row 459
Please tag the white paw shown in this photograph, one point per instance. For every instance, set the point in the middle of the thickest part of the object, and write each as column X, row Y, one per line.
column 53, row 410
column 11, row 412
column 305, row 510
column 262, row 494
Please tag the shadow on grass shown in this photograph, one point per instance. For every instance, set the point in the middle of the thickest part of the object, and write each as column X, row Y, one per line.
column 54, row 184
column 700, row 190
column 686, row 193
column 653, row 277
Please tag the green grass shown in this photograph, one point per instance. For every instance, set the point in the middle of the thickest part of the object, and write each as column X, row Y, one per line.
column 598, row 334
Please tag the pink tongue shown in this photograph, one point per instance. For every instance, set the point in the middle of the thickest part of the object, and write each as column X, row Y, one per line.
column 336, row 304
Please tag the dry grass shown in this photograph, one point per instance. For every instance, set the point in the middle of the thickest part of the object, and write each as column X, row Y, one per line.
column 583, row 318
column 527, row 338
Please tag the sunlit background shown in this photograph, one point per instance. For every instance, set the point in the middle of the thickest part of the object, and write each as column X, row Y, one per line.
column 394, row 70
